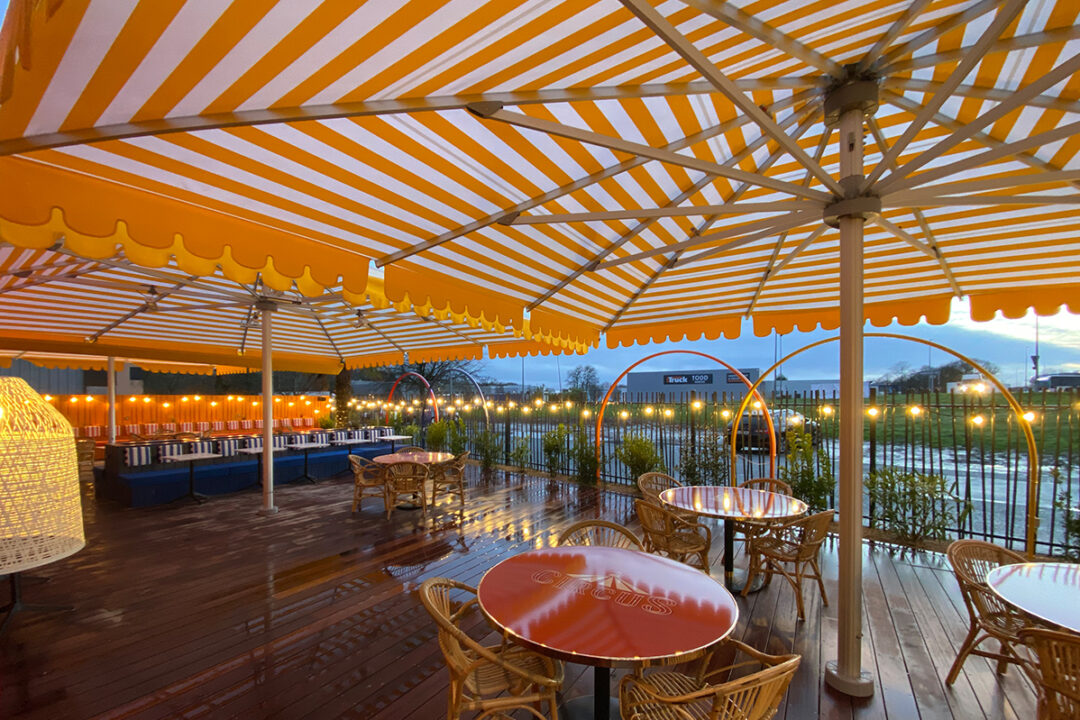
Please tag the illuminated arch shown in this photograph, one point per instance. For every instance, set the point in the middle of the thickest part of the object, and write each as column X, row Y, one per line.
column 427, row 385
column 752, row 389
column 1018, row 410
column 479, row 391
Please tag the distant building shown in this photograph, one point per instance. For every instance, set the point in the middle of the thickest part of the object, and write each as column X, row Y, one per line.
column 680, row 385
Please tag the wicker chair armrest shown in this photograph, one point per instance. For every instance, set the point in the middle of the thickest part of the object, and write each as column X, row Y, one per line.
column 756, row 658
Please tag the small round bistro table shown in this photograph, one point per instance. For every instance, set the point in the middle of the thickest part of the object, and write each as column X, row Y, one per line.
column 1049, row 592
column 424, row 458
column 606, row 607
column 733, row 504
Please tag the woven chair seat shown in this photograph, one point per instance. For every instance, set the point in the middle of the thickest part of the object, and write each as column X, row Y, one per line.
column 489, row 679
column 1007, row 622
column 669, row 683
column 679, row 542
column 776, row 548
column 728, row 693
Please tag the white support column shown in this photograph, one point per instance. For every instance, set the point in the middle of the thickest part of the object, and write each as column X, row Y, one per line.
column 110, row 381
column 267, row 309
column 845, row 674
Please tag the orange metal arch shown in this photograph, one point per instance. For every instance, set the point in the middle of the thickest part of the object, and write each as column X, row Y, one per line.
column 427, row 385
column 1033, row 451
column 752, row 390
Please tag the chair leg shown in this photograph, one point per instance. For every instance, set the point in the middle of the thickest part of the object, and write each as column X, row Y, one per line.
column 965, row 649
column 820, row 581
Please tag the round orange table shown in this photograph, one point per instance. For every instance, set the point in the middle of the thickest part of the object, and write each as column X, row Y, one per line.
column 1047, row 591
column 606, row 607
column 730, row 503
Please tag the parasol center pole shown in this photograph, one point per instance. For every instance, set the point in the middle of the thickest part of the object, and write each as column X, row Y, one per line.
column 267, row 308
column 110, row 383
column 849, row 214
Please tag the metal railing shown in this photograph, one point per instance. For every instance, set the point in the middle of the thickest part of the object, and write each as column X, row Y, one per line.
column 972, row 441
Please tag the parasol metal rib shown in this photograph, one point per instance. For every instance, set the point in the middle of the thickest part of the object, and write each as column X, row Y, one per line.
column 142, row 308
column 208, row 306
column 773, row 271
column 697, row 60
column 931, row 239
column 63, row 277
column 641, row 291
column 969, row 186
column 995, row 153
column 1017, row 42
column 747, row 239
column 772, row 224
column 584, row 182
column 805, row 243
column 725, row 209
column 937, row 30
column 750, row 25
column 329, row 338
column 622, row 240
column 982, row 138
column 1001, row 22
column 1015, row 100
column 871, row 57
column 984, row 93
column 987, row 200
column 806, row 124
column 823, row 144
column 245, row 326
column 364, row 108
column 645, row 151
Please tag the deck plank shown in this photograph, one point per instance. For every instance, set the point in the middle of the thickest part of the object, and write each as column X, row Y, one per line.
column 212, row 611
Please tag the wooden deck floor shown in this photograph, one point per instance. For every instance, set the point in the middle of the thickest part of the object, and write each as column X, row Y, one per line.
column 211, row 611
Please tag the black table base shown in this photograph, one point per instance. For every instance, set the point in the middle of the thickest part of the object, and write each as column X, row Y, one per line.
column 600, row 706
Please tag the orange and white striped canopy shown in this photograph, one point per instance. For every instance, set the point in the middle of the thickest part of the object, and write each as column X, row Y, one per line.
column 635, row 168
column 57, row 308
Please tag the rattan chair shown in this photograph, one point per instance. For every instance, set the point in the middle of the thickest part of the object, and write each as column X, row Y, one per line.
column 406, row 479
column 492, row 680
column 410, row 449
column 84, row 452
column 751, row 528
column 1055, row 671
column 706, row 695
column 449, row 477
column 989, row 616
column 674, row 536
column 369, row 481
column 600, row 532
column 797, row 544
column 651, row 484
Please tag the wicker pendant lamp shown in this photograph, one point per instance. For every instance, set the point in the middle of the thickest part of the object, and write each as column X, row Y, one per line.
column 40, row 506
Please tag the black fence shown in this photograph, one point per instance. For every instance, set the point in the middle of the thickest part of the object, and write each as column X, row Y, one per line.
column 968, row 450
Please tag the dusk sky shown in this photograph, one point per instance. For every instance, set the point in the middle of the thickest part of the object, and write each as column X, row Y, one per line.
column 1006, row 343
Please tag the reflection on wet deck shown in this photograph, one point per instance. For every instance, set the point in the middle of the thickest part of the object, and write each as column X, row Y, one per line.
column 213, row 611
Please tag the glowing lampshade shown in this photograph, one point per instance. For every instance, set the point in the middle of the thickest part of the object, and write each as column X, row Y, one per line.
column 40, row 507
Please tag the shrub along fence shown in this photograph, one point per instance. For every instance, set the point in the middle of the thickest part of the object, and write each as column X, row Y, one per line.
column 938, row 465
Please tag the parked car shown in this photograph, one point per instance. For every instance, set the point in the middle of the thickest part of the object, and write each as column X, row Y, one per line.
column 754, row 431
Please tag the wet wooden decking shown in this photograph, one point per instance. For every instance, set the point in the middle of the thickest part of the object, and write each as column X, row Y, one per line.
column 212, row 611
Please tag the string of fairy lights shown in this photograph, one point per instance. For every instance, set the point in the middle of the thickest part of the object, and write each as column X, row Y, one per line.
column 449, row 407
